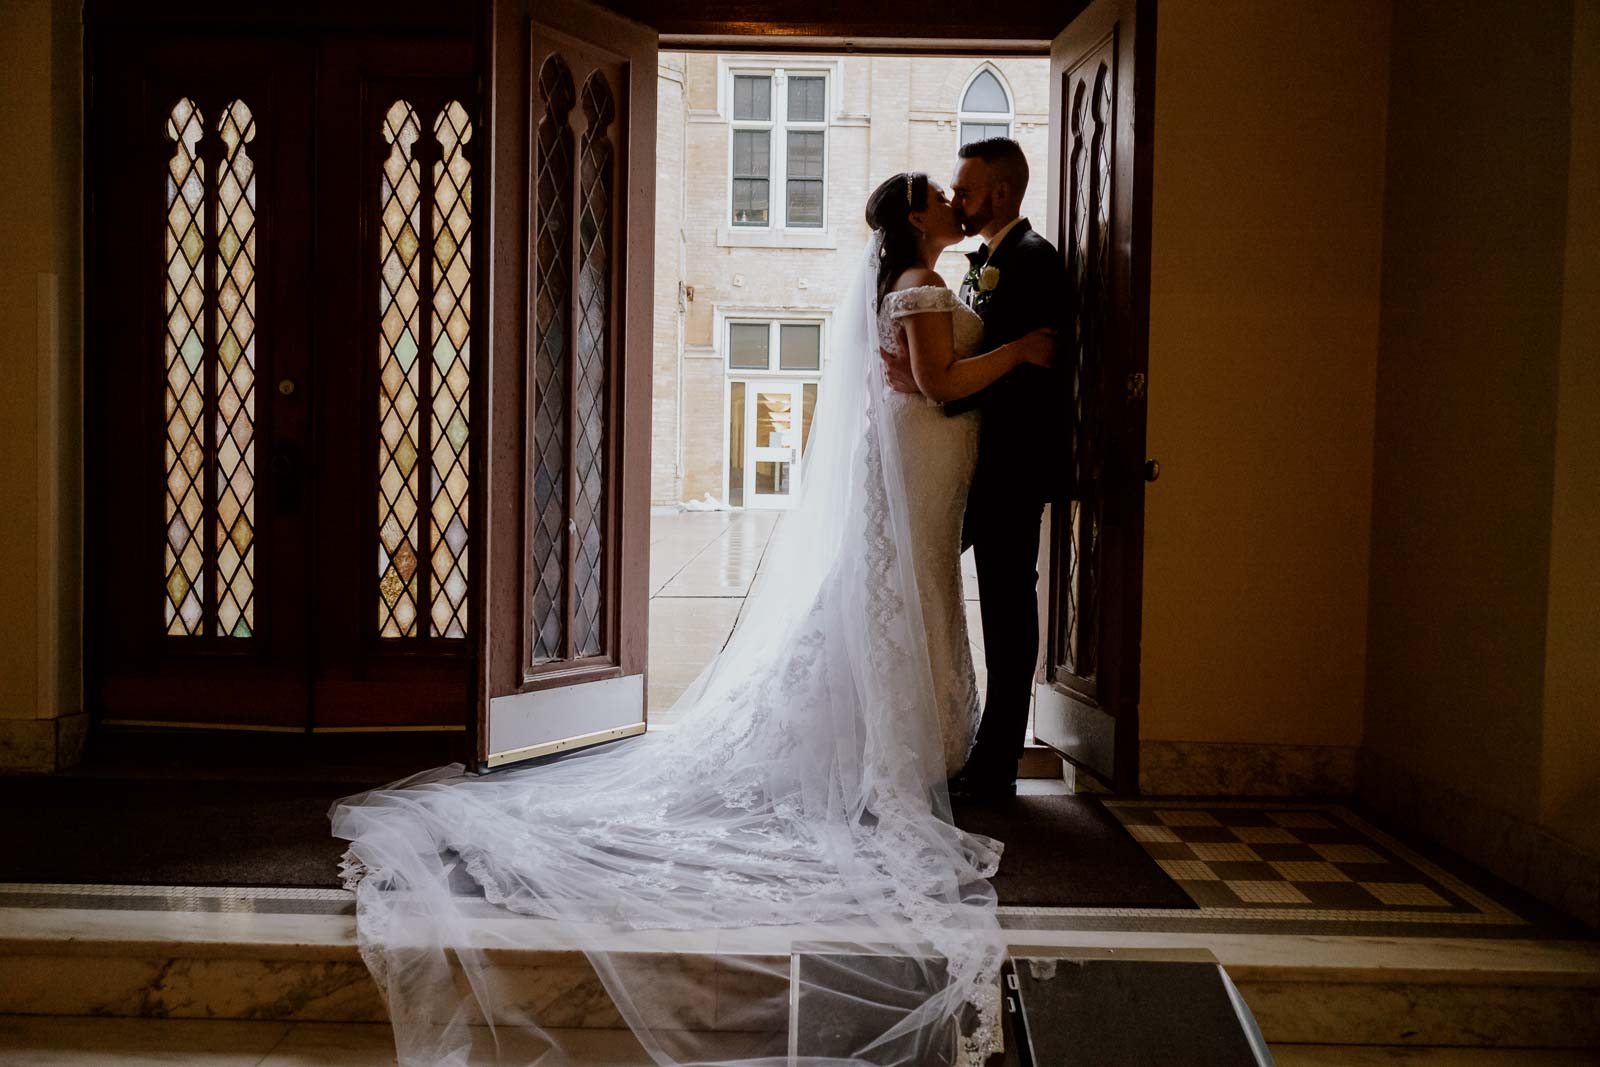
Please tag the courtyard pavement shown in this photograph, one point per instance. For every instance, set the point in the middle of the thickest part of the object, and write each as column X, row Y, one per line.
column 701, row 566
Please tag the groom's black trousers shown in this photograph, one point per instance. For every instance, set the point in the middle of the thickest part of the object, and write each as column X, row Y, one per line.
column 1002, row 528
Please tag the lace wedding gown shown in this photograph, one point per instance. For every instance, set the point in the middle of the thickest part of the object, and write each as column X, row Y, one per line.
column 801, row 797
column 941, row 452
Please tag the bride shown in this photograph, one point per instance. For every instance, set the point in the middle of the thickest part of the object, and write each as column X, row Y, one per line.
column 800, row 797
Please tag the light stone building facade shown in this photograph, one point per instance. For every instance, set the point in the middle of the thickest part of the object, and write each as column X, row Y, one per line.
column 745, row 297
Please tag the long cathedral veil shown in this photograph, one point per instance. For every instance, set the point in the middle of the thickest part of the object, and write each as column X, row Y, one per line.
column 776, row 879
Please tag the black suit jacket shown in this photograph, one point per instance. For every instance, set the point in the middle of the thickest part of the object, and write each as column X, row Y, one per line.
column 1022, row 447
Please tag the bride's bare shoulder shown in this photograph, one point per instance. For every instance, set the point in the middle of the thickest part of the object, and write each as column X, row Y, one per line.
column 915, row 277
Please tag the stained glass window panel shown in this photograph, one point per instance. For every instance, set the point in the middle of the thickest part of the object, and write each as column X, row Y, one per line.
column 589, row 366
column 452, row 321
column 236, row 375
column 399, row 368
column 185, row 352
column 552, row 334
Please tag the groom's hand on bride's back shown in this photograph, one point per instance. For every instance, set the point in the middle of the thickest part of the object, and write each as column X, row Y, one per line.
column 897, row 369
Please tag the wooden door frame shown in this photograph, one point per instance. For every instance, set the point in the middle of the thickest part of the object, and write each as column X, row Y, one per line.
column 1098, row 717
column 505, row 666
column 897, row 27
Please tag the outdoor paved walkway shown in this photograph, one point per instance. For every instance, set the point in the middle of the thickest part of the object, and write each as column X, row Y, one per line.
column 701, row 567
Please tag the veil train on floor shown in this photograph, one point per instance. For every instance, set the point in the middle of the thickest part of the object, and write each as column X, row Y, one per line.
column 776, row 879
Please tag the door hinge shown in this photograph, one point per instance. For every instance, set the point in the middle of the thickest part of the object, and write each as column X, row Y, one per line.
column 1135, row 386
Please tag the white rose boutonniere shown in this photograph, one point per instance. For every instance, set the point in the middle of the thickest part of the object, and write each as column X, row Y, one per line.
column 984, row 284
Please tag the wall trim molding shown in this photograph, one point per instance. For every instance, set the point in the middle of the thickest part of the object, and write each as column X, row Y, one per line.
column 42, row 745
column 1245, row 769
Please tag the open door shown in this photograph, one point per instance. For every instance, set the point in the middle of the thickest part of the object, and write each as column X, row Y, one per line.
column 573, row 117
column 1102, row 71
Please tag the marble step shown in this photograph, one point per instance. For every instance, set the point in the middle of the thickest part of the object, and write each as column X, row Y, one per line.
column 282, row 966
column 43, row 1041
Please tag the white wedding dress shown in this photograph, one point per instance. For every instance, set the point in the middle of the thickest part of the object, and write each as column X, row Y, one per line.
column 801, row 797
column 940, row 452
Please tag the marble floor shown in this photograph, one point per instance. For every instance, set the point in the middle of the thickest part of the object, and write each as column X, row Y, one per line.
column 74, row 1041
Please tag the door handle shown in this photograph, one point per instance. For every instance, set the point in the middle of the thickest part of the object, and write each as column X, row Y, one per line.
column 1152, row 469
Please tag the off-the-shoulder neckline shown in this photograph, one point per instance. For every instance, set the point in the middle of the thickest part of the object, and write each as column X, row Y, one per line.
column 920, row 288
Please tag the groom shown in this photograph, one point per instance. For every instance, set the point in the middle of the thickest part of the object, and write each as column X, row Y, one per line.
column 1017, row 283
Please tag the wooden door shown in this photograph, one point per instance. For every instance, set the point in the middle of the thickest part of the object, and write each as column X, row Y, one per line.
column 571, row 195
column 397, row 428
column 198, row 233
column 1101, row 108
column 281, row 451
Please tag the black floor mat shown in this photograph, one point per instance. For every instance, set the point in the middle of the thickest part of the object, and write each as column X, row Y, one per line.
column 169, row 833
column 1069, row 851
column 1060, row 850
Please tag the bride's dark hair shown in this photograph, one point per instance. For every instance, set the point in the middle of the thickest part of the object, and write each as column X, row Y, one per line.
column 889, row 209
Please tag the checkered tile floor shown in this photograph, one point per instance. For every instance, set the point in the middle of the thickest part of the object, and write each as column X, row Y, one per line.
column 1298, row 861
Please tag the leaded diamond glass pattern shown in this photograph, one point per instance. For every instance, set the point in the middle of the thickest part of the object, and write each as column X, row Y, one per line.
column 236, row 375
column 552, row 331
column 1088, row 262
column 185, row 350
column 593, row 337
column 399, row 330
column 452, row 321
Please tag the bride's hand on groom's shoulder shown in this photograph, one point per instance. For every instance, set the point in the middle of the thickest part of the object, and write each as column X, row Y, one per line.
column 897, row 370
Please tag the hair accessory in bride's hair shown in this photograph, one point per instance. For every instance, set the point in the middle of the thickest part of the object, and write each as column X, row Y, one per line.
column 909, row 180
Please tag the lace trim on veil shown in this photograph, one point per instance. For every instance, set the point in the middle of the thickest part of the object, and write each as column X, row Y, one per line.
column 803, row 785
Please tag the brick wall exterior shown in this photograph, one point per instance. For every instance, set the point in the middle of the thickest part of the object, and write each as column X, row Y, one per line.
column 886, row 115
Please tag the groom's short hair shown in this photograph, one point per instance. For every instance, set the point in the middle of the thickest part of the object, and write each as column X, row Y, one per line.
column 1004, row 157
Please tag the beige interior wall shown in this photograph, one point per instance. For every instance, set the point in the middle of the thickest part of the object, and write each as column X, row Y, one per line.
column 1475, row 239
column 1570, row 774
column 38, row 342
column 1269, row 158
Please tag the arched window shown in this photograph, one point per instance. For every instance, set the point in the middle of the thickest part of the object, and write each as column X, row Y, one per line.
column 985, row 107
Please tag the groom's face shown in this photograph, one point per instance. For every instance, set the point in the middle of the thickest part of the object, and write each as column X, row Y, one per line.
column 972, row 195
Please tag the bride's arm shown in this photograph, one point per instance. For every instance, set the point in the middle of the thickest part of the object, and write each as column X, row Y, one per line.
column 941, row 376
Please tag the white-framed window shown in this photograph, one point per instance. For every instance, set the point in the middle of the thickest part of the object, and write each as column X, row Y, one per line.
column 778, row 147
column 770, row 395
column 986, row 106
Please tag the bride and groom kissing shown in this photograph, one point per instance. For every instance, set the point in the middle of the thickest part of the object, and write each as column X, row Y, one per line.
column 806, row 784
column 995, row 370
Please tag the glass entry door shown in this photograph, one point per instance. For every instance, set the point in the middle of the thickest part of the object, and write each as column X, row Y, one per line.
column 772, row 439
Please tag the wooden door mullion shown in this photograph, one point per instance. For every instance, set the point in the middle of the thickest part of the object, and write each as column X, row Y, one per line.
column 426, row 150
column 211, row 155
column 569, row 358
